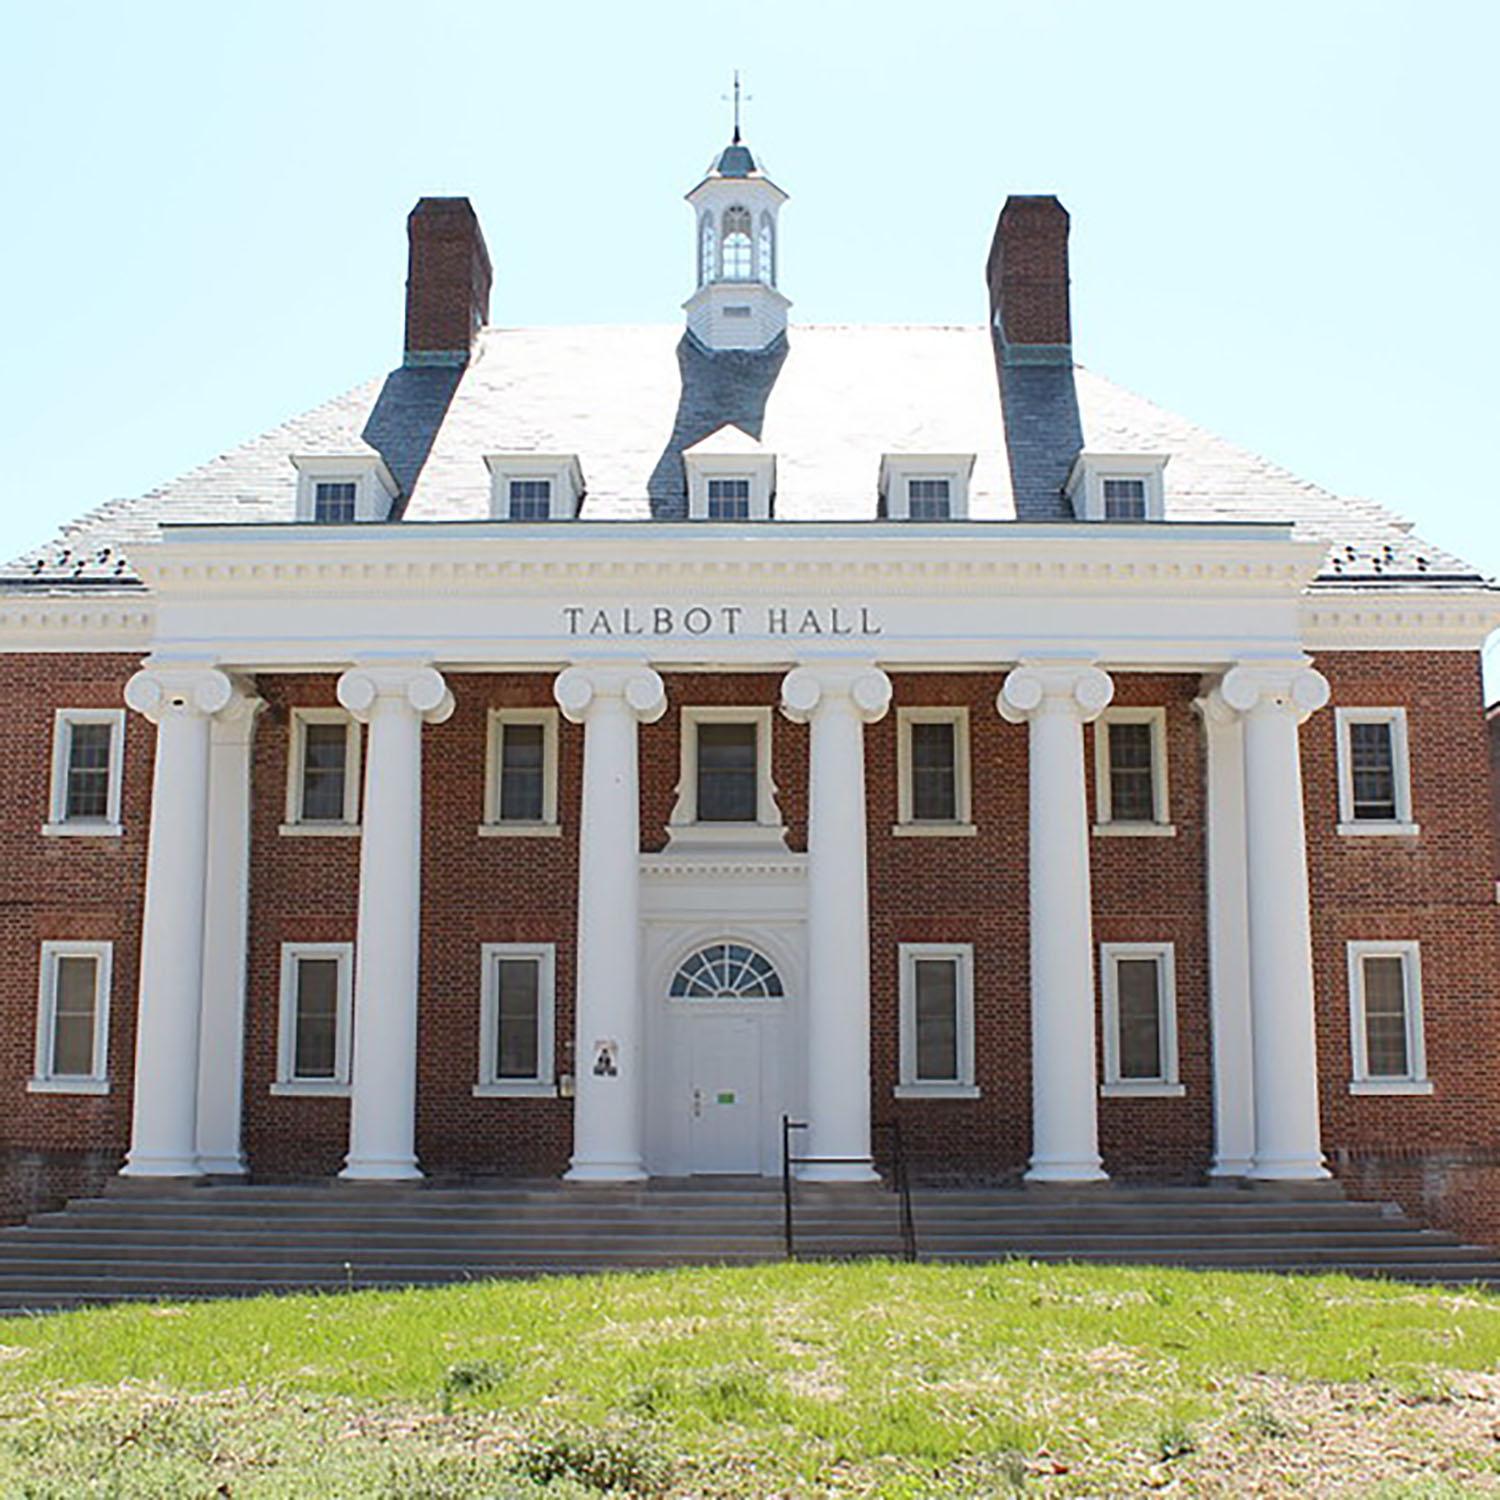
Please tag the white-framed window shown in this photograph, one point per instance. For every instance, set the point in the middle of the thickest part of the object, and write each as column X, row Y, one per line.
column 88, row 750
column 516, row 1011
column 534, row 487
column 1374, row 764
column 932, row 771
column 707, row 244
column 730, row 477
column 724, row 791
column 1385, row 1018
column 1130, row 772
column 341, row 489
column 334, row 501
column 738, row 253
column 937, row 1021
column 520, row 788
column 323, row 764
column 925, row 486
column 529, row 499
column 1118, row 487
column 1140, row 1019
column 767, row 267
column 1124, row 497
column 729, row 497
column 72, row 1028
column 317, row 1008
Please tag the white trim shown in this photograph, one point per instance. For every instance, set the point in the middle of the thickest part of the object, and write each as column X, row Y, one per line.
column 1167, row 1084
column 758, row 468
column 1415, row 1079
column 933, row 830
column 299, row 719
column 375, row 488
column 683, row 824
column 287, row 1081
column 1085, row 484
column 962, row 821
column 897, row 470
column 563, row 471
column 547, row 824
column 1401, row 825
column 962, row 1087
column 96, row 1081
column 543, row 1085
column 58, row 823
column 1161, row 821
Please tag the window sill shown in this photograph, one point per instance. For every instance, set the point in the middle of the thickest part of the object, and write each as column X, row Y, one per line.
column 1135, row 830
column 82, row 830
column 936, row 1091
column 1380, row 830
column 1373, row 1087
column 728, row 835
column 520, row 830
column 934, row 830
column 320, row 830
column 1143, row 1090
column 517, row 1088
column 310, row 1088
column 67, row 1085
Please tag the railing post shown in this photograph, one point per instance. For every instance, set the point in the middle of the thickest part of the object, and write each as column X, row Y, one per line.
column 786, row 1183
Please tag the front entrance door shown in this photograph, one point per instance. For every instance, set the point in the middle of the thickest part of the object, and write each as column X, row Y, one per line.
column 724, row 1132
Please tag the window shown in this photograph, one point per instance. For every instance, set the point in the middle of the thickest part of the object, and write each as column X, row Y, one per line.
column 729, row 499
column 1130, row 771
column 521, row 784
column 706, row 251
column 927, row 499
column 73, row 1019
column 1124, row 499
column 333, row 500
column 516, row 1020
column 316, row 1009
column 1385, row 1019
column 323, row 772
column 530, row 499
column 738, row 251
column 932, row 752
column 726, row 971
column 725, row 793
column 87, row 748
column 1374, row 771
column 1140, row 1019
column 937, row 1021
column 767, row 251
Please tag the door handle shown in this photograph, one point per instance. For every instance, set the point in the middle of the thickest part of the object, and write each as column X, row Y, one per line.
column 697, row 1104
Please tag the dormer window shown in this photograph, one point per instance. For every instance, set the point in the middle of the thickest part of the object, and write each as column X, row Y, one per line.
column 530, row 487
column 739, row 253
column 729, row 499
column 925, row 486
column 730, row 477
column 342, row 489
column 1117, row 486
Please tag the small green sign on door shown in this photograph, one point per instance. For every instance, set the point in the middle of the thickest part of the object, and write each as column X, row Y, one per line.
column 724, row 1099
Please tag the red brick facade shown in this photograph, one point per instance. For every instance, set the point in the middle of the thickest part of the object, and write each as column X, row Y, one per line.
column 1440, row 1154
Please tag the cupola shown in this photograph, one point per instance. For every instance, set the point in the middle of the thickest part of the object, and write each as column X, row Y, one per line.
column 736, row 305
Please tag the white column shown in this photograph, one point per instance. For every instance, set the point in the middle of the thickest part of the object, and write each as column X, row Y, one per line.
column 221, row 1045
column 1228, row 939
column 610, row 700
column 1057, row 699
column 1273, row 700
column 393, row 701
column 180, row 701
column 837, row 699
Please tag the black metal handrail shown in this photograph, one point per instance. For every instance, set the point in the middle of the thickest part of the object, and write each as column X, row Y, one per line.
column 900, row 1181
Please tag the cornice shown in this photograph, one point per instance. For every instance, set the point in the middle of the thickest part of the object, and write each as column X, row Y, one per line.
column 74, row 622
column 1408, row 620
column 690, row 868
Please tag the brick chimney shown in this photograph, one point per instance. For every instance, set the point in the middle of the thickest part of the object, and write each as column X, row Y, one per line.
column 447, row 282
column 1027, row 274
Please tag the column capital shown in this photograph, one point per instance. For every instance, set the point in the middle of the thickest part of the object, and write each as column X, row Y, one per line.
column 859, row 687
column 1075, row 687
column 586, row 685
column 1274, row 687
column 159, row 691
column 419, row 686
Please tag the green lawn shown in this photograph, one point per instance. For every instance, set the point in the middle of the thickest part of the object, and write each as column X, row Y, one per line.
column 875, row 1379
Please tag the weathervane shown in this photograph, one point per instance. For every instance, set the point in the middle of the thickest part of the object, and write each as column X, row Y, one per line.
column 736, row 98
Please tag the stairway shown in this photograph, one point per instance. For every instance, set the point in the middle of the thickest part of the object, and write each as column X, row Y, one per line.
column 164, row 1240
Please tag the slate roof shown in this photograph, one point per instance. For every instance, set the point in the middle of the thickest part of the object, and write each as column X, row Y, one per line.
column 828, row 401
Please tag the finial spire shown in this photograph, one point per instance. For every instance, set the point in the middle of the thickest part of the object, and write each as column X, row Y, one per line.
column 737, row 105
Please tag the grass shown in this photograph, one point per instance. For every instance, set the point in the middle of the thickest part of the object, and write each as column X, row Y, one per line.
column 873, row 1379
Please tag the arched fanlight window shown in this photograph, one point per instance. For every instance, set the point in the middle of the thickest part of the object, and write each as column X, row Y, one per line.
column 706, row 251
column 738, row 250
column 727, row 971
column 767, row 251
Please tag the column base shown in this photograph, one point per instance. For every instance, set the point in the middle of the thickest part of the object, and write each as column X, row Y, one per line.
column 1290, row 1169
column 841, row 1171
column 381, row 1169
column 606, row 1171
column 161, row 1166
column 1232, row 1166
column 222, row 1166
column 1085, row 1170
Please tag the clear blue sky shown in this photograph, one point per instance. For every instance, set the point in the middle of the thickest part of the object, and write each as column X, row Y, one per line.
column 1285, row 219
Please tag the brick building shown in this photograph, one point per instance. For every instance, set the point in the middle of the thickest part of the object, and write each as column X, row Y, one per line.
column 586, row 745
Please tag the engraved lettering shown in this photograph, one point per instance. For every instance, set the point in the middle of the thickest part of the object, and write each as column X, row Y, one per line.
column 868, row 626
column 575, row 614
column 776, row 622
column 809, row 625
column 628, row 625
column 600, row 624
column 833, row 625
column 701, row 615
column 732, row 613
column 661, row 621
